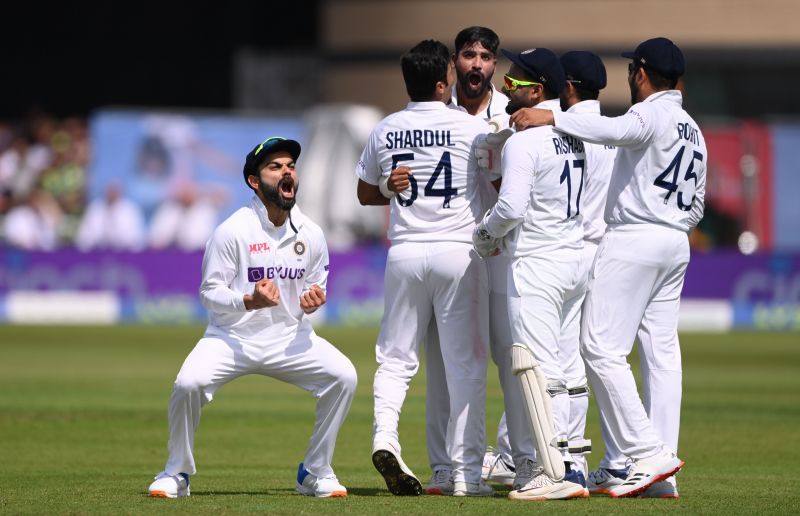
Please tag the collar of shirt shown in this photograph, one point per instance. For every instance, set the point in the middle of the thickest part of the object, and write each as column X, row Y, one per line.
column 586, row 106
column 294, row 220
column 496, row 106
column 673, row 96
column 433, row 105
column 552, row 105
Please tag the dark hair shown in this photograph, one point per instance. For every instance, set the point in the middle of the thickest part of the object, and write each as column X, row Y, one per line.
column 482, row 35
column 659, row 81
column 549, row 93
column 424, row 66
column 584, row 93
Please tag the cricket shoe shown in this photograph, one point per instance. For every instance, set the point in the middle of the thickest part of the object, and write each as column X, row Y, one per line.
column 602, row 480
column 663, row 489
column 399, row 478
column 496, row 469
column 441, row 483
column 311, row 485
column 169, row 486
column 576, row 477
column 470, row 489
column 525, row 473
column 646, row 472
column 542, row 487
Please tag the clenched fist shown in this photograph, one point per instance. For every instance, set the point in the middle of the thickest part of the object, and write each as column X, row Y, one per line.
column 312, row 299
column 265, row 295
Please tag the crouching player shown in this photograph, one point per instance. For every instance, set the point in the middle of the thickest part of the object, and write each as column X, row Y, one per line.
column 264, row 267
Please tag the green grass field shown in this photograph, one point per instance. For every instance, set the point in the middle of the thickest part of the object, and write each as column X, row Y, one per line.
column 83, row 430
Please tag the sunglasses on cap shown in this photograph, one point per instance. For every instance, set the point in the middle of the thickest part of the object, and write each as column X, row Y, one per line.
column 512, row 84
column 268, row 143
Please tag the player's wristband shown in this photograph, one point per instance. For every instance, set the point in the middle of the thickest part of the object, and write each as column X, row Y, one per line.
column 383, row 186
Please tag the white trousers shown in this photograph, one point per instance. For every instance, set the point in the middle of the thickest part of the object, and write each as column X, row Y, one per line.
column 307, row 361
column 544, row 290
column 634, row 290
column 437, row 400
column 445, row 281
column 572, row 361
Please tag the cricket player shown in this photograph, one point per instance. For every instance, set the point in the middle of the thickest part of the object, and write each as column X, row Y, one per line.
column 656, row 196
column 586, row 76
column 538, row 217
column 474, row 60
column 263, row 269
column 431, row 270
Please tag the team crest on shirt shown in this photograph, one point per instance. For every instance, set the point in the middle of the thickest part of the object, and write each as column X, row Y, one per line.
column 299, row 248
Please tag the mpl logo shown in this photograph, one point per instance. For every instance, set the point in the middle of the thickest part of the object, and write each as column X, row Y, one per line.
column 263, row 247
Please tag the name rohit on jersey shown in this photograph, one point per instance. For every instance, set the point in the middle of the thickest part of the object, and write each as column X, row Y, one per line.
column 567, row 145
column 689, row 133
column 418, row 138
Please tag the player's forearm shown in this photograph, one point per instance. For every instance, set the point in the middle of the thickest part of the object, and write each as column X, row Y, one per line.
column 370, row 195
column 503, row 218
column 630, row 129
column 222, row 299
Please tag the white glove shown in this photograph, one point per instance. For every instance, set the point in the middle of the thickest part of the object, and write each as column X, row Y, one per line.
column 383, row 186
column 488, row 148
column 484, row 243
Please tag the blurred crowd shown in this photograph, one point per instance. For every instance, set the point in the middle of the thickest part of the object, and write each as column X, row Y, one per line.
column 45, row 205
column 45, row 200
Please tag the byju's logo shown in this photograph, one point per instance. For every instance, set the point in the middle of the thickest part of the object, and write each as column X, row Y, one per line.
column 255, row 274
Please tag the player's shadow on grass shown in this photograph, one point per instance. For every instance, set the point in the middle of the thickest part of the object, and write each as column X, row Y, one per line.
column 368, row 491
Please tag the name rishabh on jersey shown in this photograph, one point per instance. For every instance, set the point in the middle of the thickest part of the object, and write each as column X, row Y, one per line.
column 659, row 174
column 540, row 196
column 435, row 142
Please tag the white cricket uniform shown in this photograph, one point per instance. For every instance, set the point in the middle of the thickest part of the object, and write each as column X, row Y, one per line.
column 538, row 212
column 432, row 271
column 276, row 341
column 655, row 197
column 599, row 164
column 437, row 398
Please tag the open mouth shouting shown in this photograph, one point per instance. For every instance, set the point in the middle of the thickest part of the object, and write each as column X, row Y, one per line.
column 474, row 84
column 287, row 188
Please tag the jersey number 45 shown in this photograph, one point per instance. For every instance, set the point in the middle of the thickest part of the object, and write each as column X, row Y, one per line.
column 671, row 186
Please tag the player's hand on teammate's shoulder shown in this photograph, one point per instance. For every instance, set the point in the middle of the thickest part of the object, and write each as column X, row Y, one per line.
column 312, row 299
column 531, row 117
column 265, row 295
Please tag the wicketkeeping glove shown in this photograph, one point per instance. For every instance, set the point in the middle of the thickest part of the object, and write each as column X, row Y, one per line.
column 488, row 148
column 484, row 243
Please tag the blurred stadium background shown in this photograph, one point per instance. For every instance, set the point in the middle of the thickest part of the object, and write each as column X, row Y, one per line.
column 159, row 103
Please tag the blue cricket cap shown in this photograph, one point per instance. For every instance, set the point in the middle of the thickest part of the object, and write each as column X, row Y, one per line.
column 542, row 65
column 584, row 68
column 661, row 55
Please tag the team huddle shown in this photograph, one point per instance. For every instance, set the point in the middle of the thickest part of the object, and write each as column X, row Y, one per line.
column 524, row 226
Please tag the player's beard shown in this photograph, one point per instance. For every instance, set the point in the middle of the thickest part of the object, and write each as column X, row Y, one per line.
column 634, row 89
column 476, row 78
column 272, row 194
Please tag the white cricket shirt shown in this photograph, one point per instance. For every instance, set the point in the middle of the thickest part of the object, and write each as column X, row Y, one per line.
column 659, row 174
column 247, row 248
column 496, row 106
column 599, row 164
column 496, row 111
column 443, row 201
column 539, row 202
